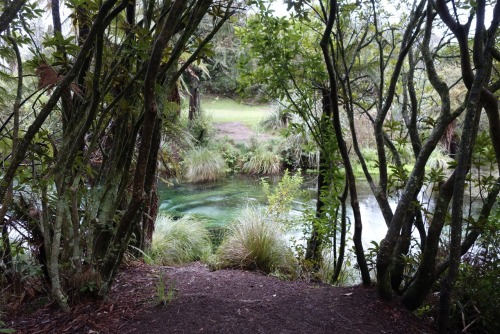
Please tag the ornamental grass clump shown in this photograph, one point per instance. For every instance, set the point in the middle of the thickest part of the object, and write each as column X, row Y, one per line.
column 180, row 241
column 202, row 165
column 255, row 242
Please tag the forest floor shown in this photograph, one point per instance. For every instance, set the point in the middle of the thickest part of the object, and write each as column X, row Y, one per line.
column 223, row 301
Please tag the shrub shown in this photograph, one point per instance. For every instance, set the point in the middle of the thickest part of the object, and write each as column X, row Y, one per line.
column 180, row 241
column 370, row 155
column 202, row 164
column 281, row 197
column 263, row 161
column 347, row 274
column 254, row 242
column 232, row 155
column 200, row 128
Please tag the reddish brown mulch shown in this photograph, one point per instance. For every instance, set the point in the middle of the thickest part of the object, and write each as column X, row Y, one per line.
column 224, row 301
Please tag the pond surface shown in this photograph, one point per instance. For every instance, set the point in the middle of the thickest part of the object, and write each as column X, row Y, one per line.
column 221, row 202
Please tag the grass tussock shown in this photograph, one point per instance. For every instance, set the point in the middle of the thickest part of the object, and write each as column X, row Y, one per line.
column 256, row 243
column 263, row 161
column 202, row 165
column 180, row 241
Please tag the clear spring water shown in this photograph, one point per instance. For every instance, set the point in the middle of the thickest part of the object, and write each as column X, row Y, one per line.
column 220, row 202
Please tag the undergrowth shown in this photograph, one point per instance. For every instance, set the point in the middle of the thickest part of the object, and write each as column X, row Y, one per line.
column 255, row 242
column 263, row 160
column 180, row 241
column 202, row 164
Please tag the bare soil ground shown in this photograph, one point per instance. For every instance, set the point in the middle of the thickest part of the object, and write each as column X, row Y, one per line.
column 225, row 301
column 238, row 132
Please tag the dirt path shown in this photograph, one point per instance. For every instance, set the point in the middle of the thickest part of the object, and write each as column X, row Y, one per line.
column 225, row 301
column 238, row 132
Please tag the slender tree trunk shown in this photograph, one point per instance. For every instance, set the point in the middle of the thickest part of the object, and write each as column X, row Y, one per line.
column 358, row 245
column 400, row 251
column 54, row 244
column 471, row 123
column 343, row 233
column 313, row 251
column 194, row 93
column 151, row 209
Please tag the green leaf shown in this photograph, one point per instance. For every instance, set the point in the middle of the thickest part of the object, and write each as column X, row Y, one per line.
column 7, row 330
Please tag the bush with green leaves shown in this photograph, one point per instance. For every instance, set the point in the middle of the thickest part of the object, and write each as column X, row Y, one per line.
column 180, row 241
column 328, row 264
column 256, row 242
column 202, row 165
column 371, row 160
column 232, row 154
column 439, row 159
column 257, row 239
column 280, row 198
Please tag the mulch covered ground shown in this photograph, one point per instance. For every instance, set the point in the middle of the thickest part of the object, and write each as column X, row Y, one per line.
column 224, row 301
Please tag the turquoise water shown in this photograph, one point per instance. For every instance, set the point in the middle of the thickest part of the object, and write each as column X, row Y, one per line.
column 220, row 202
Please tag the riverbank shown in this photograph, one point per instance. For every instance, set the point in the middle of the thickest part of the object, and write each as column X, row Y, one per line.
column 195, row 299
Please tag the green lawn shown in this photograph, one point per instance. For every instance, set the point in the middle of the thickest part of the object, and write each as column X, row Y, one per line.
column 224, row 110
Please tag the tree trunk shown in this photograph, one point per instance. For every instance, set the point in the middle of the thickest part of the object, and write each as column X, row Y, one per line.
column 334, row 105
column 313, row 251
column 400, row 252
column 193, row 82
column 470, row 129
column 151, row 123
column 343, row 233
